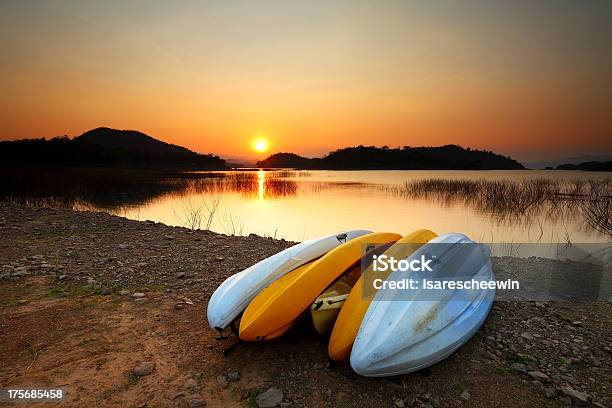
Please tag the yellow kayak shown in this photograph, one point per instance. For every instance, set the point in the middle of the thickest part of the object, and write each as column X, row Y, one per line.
column 274, row 310
column 356, row 304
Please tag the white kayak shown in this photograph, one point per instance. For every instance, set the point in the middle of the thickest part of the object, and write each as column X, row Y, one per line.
column 236, row 292
column 407, row 330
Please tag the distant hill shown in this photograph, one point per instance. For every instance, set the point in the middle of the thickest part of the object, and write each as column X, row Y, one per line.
column 409, row 158
column 289, row 160
column 239, row 161
column 553, row 163
column 132, row 140
column 588, row 166
column 105, row 146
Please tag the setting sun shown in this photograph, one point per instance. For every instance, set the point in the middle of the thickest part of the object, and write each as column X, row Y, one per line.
column 260, row 145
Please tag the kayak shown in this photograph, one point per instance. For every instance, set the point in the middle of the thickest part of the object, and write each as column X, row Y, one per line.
column 234, row 294
column 406, row 331
column 273, row 311
column 356, row 304
column 324, row 310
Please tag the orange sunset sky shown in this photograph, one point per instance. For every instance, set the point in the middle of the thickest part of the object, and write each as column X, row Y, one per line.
column 531, row 79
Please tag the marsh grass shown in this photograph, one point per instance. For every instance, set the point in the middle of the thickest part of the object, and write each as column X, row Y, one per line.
column 291, row 173
column 597, row 208
column 67, row 187
column 525, row 202
column 247, row 183
column 521, row 200
column 118, row 189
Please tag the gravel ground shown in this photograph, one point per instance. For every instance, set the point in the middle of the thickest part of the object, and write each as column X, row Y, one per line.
column 113, row 310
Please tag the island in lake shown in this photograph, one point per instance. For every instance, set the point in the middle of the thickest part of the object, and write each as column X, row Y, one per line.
column 448, row 157
column 587, row 166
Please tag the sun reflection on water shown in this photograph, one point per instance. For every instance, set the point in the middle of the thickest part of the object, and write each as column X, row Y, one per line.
column 261, row 182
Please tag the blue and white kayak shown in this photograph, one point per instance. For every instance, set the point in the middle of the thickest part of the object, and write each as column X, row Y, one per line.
column 407, row 330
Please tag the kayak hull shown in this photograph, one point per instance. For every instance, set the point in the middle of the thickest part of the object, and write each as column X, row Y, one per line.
column 356, row 305
column 399, row 336
column 234, row 294
column 287, row 298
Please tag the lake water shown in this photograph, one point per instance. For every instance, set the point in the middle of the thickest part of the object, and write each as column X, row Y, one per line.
column 298, row 205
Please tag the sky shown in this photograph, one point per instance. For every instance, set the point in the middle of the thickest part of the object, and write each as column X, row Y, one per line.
column 530, row 79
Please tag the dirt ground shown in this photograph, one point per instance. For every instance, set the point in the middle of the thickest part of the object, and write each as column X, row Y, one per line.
column 65, row 326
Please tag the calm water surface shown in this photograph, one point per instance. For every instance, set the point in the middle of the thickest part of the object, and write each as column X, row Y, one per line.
column 298, row 205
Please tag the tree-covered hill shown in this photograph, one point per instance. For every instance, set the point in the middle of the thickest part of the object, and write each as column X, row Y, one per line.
column 371, row 157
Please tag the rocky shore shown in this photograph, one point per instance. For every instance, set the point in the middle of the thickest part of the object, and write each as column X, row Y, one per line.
column 113, row 311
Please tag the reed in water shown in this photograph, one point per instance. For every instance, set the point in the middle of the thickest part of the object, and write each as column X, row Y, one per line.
column 506, row 199
column 111, row 188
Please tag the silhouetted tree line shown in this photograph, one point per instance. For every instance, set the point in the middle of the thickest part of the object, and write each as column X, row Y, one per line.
column 405, row 158
column 104, row 146
column 588, row 166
